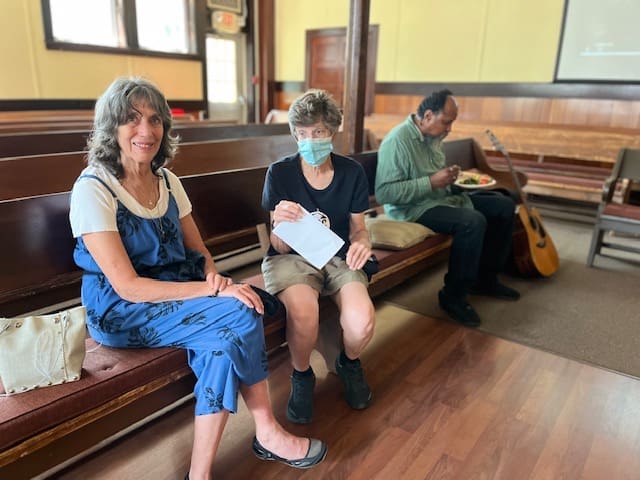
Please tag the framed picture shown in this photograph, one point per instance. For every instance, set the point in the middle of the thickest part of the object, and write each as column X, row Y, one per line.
column 228, row 5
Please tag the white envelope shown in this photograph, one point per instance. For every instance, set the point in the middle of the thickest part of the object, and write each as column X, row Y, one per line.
column 310, row 238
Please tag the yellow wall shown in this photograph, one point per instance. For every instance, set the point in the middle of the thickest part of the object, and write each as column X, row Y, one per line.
column 420, row 41
column 435, row 40
column 292, row 19
column 30, row 71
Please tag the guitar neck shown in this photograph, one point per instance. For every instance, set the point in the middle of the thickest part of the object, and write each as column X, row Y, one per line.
column 512, row 169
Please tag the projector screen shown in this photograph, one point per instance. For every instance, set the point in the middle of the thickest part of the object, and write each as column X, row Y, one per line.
column 600, row 41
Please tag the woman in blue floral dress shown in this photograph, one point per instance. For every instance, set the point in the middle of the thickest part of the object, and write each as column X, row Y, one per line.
column 149, row 280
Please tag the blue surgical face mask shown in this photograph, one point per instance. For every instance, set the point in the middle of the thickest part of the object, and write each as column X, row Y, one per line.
column 315, row 151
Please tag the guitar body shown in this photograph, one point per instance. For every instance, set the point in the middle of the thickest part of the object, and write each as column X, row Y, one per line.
column 534, row 253
column 533, row 250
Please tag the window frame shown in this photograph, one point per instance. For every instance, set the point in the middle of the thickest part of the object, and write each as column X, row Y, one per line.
column 130, row 26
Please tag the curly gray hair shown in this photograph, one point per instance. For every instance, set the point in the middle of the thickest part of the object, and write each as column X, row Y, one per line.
column 315, row 106
column 112, row 110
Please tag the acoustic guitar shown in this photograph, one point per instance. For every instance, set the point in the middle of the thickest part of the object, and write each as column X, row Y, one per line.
column 533, row 250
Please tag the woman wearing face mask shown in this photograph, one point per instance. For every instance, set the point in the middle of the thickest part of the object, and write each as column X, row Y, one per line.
column 334, row 189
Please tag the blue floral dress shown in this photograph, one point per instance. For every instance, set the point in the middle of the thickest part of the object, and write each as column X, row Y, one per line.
column 223, row 337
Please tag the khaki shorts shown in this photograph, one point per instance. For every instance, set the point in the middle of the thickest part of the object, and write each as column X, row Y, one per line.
column 283, row 271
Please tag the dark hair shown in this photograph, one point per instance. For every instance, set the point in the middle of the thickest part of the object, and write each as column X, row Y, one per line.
column 314, row 106
column 113, row 109
column 434, row 102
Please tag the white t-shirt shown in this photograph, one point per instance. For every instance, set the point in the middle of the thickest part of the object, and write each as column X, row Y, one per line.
column 93, row 208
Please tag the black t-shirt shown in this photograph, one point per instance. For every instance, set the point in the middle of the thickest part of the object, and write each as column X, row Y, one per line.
column 346, row 194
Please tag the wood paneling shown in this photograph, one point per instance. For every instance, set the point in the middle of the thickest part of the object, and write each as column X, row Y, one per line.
column 597, row 145
column 563, row 111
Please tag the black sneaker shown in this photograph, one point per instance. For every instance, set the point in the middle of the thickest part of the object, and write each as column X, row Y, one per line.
column 300, row 405
column 458, row 309
column 356, row 391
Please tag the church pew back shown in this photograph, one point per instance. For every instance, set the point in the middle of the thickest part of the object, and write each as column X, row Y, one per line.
column 60, row 141
column 53, row 173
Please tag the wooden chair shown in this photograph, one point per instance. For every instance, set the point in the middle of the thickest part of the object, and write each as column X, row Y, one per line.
column 618, row 217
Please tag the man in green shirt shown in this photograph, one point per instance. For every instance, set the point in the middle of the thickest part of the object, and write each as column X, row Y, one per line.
column 415, row 184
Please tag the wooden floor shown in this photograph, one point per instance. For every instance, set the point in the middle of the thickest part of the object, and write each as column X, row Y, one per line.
column 449, row 403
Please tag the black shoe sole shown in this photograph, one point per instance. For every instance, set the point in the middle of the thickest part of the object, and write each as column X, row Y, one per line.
column 461, row 322
column 361, row 406
column 306, row 462
column 493, row 295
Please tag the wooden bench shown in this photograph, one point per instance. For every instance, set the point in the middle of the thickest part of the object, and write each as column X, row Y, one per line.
column 60, row 141
column 119, row 388
column 464, row 152
column 562, row 162
column 52, row 173
column 43, row 121
column 557, row 178
column 29, row 175
column 43, row 428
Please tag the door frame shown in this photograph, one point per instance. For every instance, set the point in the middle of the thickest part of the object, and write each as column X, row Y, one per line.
column 226, row 114
column 372, row 58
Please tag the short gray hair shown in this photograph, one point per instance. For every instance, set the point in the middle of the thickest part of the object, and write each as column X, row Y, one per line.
column 113, row 109
column 315, row 106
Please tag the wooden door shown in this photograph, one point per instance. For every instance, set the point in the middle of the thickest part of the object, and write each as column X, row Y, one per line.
column 326, row 59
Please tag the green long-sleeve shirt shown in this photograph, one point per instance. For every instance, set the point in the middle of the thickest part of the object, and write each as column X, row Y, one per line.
column 406, row 159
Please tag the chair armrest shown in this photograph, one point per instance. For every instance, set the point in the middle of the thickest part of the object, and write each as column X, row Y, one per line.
column 609, row 188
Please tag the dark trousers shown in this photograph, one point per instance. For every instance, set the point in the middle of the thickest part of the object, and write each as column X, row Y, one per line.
column 481, row 239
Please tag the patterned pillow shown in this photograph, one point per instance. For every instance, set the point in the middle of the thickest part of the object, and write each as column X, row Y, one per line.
column 395, row 235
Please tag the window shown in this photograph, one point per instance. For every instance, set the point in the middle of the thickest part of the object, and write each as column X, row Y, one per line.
column 163, row 28
column 121, row 26
column 99, row 25
column 221, row 70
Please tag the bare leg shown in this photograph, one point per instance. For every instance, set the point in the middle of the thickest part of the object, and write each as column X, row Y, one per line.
column 357, row 317
column 269, row 432
column 301, row 302
column 207, row 431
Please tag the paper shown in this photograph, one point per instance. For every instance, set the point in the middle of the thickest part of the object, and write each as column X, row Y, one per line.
column 310, row 238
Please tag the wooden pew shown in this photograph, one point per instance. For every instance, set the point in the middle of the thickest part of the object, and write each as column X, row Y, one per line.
column 60, row 141
column 21, row 116
column 562, row 162
column 49, row 120
column 120, row 387
column 51, row 173
column 44, row 127
column 540, row 140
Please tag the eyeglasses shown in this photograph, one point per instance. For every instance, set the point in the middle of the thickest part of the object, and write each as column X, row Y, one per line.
column 311, row 132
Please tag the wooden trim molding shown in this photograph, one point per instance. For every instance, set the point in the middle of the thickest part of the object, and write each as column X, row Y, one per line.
column 613, row 91
column 83, row 104
column 265, row 16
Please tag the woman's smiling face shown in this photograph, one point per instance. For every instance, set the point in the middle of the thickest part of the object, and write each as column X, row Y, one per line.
column 140, row 137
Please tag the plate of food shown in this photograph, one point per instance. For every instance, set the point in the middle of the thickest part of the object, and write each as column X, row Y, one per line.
column 472, row 180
